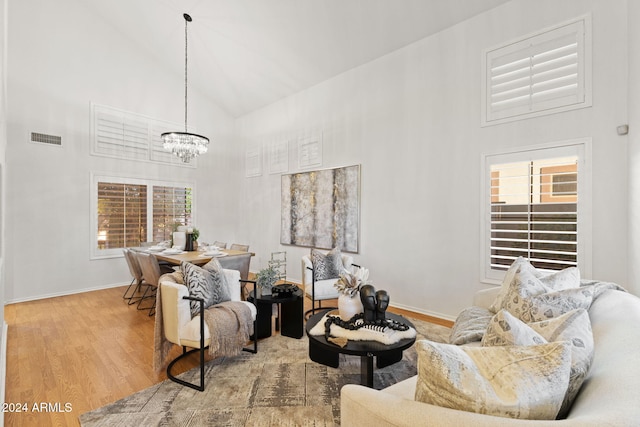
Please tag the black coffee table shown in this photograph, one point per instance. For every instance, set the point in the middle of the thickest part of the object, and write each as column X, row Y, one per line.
column 290, row 309
column 327, row 353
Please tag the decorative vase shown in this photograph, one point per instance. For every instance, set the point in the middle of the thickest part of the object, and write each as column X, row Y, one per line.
column 349, row 306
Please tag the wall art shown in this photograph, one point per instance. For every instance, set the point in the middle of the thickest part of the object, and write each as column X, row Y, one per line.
column 321, row 208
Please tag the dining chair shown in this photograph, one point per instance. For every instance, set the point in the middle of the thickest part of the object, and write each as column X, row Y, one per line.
column 237, row 247
column 137, row 281
column 220, row 245
column 151, row 273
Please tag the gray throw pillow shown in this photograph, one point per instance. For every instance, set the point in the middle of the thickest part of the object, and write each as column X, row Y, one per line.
column 203, row 284
column 327, row 266
column 470, row 325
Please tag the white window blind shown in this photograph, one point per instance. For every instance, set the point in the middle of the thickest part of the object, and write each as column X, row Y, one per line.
column 128, row 211
column 533, row 209
column 540, row 74
column 127, row 135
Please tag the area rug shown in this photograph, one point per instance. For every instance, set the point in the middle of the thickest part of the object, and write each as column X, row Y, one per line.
column 278, row 386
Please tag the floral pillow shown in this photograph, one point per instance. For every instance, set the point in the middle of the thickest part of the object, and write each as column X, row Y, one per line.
column 327, row 266
column 532, row 298
column 204, row 284
column 538, row 281
column 527, row 382
column 573, row 326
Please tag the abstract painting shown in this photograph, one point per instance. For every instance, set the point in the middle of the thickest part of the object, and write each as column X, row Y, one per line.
column 321, row 209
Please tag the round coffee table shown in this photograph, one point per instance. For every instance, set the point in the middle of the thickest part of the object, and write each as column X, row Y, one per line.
column 327, row 353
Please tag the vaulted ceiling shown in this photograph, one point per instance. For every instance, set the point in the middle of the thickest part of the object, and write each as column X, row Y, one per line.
column 246, row 54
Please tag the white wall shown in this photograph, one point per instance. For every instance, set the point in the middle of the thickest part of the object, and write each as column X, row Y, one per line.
column 3, row 164
column 411, row 118
column 634, row 147
column 62, row 57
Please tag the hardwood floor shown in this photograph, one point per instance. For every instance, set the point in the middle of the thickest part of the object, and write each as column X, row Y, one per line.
column 72, row 354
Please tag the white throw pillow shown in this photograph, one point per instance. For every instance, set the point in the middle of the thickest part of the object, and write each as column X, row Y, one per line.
column 573, row 327
column 527, row 382
column 544, row 282
column 531, row 298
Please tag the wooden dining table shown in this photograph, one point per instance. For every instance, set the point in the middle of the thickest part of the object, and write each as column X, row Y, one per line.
column 198, row 257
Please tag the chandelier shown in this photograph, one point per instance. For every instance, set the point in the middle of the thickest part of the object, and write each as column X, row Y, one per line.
column 185, row 145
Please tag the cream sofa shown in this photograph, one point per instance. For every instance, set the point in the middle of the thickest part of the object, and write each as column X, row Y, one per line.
column 610, row 396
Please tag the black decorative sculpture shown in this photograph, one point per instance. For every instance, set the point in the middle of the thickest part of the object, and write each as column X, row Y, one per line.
column 374, row 303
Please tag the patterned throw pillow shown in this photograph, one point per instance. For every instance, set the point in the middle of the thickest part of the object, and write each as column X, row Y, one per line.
column 327, row 266
column 203, row 284
column 215, row 267
column 470, row 325
column 532, row 298
column 527, row 382
column 573, row 327
column 544, row 282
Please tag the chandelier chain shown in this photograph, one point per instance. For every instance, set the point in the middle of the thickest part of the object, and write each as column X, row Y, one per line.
column 186, row 22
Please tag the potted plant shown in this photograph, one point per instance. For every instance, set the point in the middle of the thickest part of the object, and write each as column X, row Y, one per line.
column 265, row 279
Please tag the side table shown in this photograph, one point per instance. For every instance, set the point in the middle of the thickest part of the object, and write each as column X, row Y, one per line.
column 291, row 313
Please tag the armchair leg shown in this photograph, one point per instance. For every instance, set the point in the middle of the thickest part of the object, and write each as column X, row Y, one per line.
column 183, row 382
column 253, row 350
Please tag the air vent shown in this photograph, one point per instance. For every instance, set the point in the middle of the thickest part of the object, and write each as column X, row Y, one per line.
column 46, row 139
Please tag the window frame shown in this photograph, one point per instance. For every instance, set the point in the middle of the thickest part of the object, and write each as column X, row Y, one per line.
column 97, row 178
column 532, row 41
column 580, row 147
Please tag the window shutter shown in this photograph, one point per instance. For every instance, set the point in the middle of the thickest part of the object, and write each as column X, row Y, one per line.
column 541, row 74
column 171, row 205
column 122, row 134
column 534, row 213
column 122, row 215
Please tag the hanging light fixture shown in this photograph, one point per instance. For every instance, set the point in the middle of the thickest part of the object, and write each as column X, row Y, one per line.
column 185, row 145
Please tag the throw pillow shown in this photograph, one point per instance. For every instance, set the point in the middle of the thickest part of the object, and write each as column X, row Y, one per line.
column 203, row 284
column 216, row 269
column 470, row 325
column 573, row 327
column 531, row 298
column 546, row 282
column 527, row 382
column 327, row 266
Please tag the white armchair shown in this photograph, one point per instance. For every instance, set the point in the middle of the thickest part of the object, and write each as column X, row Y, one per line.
column 181, row 329
column 319, row 290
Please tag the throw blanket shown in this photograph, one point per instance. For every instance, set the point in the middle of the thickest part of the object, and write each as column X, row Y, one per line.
column 230, row 325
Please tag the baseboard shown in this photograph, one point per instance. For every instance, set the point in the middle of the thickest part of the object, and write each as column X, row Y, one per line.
column 64, row 293
column 3, row 366
column 425, row 312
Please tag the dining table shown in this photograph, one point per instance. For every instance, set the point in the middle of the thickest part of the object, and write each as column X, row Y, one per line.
column 199, row 257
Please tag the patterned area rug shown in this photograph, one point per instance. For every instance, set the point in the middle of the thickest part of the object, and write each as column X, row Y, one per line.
column 278, row 386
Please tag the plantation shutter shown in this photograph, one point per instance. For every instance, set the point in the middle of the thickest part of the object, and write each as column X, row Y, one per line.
column 171, row 207
column 120, row 136
column 122, row 215
column 534, row 213
column 127, row 135
column 540, row 74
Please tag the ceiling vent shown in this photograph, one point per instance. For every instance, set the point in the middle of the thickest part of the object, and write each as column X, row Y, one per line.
column 43, row 138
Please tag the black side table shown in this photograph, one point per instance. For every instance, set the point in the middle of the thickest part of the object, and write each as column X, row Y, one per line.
column 291, row 313
column 326, row 353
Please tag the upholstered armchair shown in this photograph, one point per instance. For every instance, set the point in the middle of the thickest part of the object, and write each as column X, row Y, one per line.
column 318, row 288
column 180, row 329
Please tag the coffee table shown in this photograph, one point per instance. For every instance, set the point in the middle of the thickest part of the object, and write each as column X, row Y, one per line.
column 290, row 313
column 327, row 353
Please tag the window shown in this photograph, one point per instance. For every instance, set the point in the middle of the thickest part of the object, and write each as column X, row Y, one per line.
column 543, row 73
column 129, row 211
column 534, row 207
column 122, row 134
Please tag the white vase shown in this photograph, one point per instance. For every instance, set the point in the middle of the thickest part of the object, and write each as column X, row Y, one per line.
column 179, row 239
column 349, row 307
